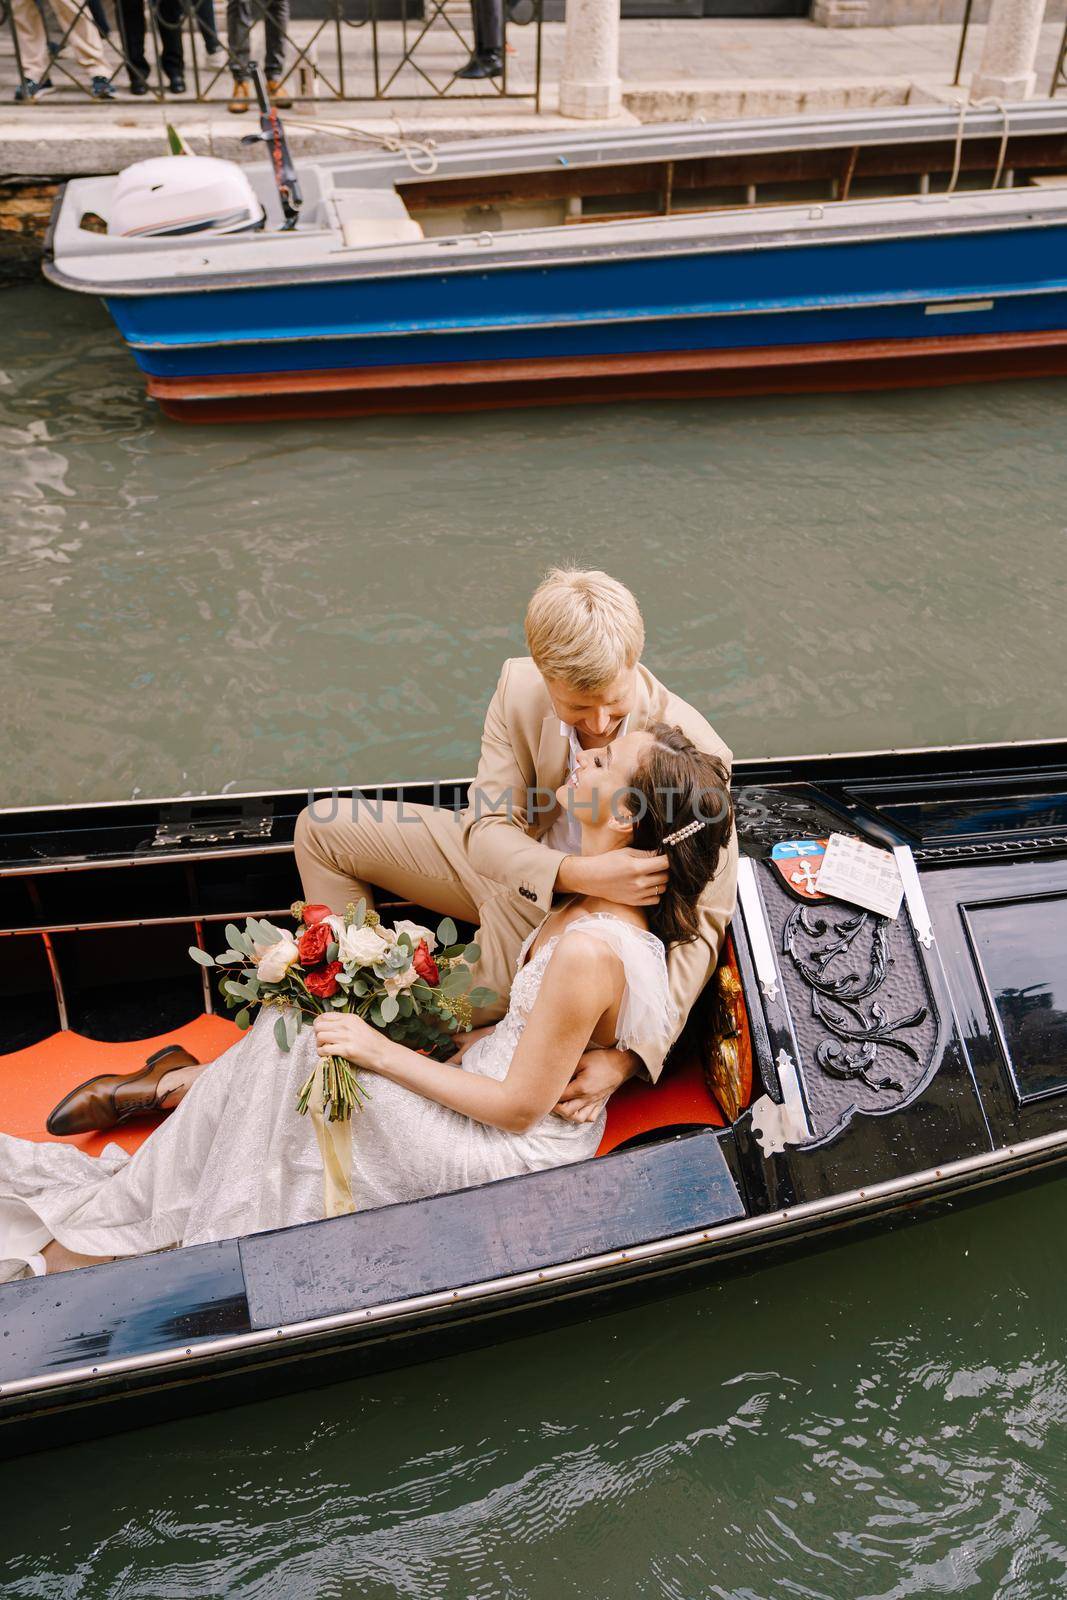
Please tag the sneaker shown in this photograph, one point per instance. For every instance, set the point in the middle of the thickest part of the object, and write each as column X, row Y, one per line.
column 241, row 98
column 102, row 89
column 31, row 90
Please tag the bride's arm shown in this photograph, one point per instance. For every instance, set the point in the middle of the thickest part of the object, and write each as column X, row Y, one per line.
column 582, row 981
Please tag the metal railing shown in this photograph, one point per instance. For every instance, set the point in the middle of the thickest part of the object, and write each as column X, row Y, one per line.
column 180, row 50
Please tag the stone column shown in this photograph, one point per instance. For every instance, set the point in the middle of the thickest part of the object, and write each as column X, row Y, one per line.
column 589, row 82
column 1012, row 35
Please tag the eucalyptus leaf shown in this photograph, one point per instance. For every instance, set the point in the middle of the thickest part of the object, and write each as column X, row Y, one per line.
column 201, row 956
column 281, row 1033
column 390, row 1008
column 481, row 997
column 376, row 1016
column 292, row 1026
column 234, row 937
column 446, row 932
column 331, row 951
column 243, row 1019
column 472, row 953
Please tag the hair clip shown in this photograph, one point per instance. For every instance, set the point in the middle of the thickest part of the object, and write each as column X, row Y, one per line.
column 685, row 833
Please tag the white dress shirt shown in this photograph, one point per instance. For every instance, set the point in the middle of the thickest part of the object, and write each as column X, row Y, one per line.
column 565, row 832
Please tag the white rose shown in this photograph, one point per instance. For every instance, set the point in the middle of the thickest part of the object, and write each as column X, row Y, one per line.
column 400, row 980
column 415, row 932
column 361, row 947
column 276, row 959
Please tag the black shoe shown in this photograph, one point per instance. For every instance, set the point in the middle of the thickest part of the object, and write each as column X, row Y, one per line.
column 138, row 86
column 490, row 65
column 177, row 84
column 31, row 90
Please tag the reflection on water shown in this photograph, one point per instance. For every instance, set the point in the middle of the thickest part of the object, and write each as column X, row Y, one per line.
column 885, row 1420
column 272, row 605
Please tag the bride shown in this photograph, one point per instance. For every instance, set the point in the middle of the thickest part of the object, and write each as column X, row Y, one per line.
column 236, row 1158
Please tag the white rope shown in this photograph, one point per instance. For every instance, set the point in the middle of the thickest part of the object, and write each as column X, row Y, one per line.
column 980, row 105
column 420, row 155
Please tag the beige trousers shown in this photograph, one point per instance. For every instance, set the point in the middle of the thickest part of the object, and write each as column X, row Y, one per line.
column 416, row 853
column 82, row 38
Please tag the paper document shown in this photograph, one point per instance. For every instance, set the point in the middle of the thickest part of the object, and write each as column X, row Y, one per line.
column 860, row 874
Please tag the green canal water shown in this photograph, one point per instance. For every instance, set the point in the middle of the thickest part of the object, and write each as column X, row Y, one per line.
column 185, row 611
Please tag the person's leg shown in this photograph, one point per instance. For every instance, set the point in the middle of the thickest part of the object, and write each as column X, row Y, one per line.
column 411, row 851
column 205, row 21
column 132, row 28
column 82, row 38
column 170, row 19
column 277, row 22
column 417, row 853
column 59, row 1259
column 238, row 26
column 32, row 40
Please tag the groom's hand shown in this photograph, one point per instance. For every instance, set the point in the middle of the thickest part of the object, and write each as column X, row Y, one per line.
column 629, row 877
column 599, row 1074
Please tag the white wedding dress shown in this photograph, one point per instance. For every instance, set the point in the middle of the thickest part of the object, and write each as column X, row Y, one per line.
column 236, row 1158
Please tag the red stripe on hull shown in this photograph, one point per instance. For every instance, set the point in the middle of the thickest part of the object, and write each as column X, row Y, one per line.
column 573, row 380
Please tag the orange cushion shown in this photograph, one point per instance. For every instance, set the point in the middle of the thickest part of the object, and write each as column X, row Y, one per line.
column 680, row 1099
column 34, row 1080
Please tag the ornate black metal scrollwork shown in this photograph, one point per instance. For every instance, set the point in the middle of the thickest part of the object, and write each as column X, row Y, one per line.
column 836, row 998
column 763, row 816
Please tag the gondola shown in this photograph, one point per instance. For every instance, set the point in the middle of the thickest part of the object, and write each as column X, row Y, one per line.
column 901, row 246
column 845, row 1071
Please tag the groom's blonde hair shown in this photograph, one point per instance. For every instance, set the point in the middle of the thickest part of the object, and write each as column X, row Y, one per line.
column 583, row 628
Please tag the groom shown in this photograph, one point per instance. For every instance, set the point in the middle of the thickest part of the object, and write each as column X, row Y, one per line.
column 500, row 863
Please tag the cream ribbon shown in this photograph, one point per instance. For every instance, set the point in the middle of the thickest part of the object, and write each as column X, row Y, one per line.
column 335, row 1147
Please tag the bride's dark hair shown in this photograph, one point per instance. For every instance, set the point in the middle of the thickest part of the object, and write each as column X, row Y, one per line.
column 675, row 784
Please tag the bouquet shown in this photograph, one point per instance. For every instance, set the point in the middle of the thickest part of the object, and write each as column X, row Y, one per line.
column 412, row 983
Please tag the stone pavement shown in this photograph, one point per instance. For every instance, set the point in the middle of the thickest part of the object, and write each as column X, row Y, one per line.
column 671, row 69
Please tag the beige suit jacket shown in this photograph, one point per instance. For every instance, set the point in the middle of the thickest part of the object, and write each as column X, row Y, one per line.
column 524, row 759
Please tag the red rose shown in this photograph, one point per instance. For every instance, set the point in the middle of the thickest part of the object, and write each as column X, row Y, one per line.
column 314, row 915
column 313, row 942
column 323, row 984
column 425, row 965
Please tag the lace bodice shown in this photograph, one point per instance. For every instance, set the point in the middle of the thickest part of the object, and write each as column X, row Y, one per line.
column 646, row 1011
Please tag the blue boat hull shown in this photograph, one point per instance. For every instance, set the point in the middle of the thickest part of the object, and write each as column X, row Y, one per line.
column 553, row 325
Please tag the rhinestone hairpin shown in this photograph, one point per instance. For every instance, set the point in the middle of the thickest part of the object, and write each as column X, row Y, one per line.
column 685, row 833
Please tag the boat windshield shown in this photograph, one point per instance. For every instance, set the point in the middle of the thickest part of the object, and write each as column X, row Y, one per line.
column 1021, row 948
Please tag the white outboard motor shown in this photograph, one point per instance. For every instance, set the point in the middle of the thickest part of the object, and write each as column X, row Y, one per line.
column 183, row 194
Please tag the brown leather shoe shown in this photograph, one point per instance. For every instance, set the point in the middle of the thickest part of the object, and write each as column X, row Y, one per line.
column 241, row 98
column 278, row 96
column 113, row 1097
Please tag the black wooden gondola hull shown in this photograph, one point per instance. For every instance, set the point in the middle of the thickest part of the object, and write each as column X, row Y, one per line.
column 977, row 1105
column 245, row 1367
